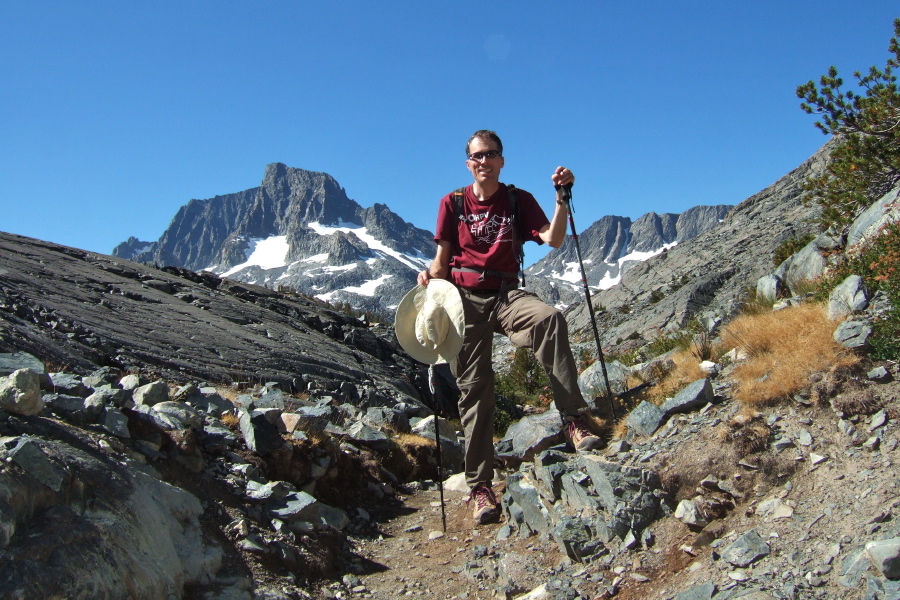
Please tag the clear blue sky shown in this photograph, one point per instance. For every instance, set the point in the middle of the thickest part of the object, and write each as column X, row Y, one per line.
column 114, row 114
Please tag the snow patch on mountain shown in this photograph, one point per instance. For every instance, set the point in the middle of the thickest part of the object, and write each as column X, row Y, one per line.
column 414, row 262
column 266, row 253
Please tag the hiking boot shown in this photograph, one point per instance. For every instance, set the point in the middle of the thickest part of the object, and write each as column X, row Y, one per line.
column 580, row 436
column 485, row 509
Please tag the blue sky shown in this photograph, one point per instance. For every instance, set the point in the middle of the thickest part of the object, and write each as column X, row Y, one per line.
column 115, row 114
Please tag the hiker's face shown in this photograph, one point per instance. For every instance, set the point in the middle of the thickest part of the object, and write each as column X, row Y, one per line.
column 484, row 169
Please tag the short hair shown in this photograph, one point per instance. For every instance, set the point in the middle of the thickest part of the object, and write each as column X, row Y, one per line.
column 485, row 134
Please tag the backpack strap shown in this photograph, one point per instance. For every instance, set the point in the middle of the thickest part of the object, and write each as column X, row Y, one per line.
column 518, row 246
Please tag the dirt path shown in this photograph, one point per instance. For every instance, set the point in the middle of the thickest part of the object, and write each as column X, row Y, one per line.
column 413, row 558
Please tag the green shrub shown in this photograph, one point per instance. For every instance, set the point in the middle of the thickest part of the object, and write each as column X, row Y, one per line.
column 878, row 263
column 525, row 381
column 866, row 163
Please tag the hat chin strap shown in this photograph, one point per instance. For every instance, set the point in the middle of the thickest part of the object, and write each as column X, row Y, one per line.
column 432, row 325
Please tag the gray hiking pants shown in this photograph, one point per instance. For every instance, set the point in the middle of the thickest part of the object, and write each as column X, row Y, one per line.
column 529, row 323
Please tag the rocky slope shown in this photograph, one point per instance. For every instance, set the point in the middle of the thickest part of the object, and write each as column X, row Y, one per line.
column 83, row 310
column 705, row 277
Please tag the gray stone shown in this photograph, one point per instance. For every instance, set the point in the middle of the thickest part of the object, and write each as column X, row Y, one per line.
column 880, row 589
column 150, row 394
column 530, row 436
column 746, row 550
column 218, row 437
column 627, row 494
column 260, row 435
column 115, row 396
column 881, row 212
column 849, row 297
column 132, row 381
column 63, row 404
column 531, row 508
column 703, row 591
column 384, row 417
column 69, row 384
column 314, row 418
column 853, row 567
column 20, row 393
column 885, row 557
column 103, row 375
column 645, row 419
column 768, row 288
column 31, row 459
column 695, row 396
column 13, row 361
column 879, row 374
column 593, row 385
column 853, row 334
column 115, row 422
column 549, row 468
column 574, row 538
column 575, row 491
column 427, row 424
column 303, row 508
column 273, row 398
column 362, row 434
column 807, row 265
column 179, row 415
column 270, row 490
column 687, row 513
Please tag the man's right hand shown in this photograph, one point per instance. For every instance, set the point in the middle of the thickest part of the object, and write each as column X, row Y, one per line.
column 424, row 277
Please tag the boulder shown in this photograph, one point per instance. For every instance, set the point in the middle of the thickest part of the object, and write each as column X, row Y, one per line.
column 853, row 334
column 13, row 361
column 150, row 394
column 850, row 296
column 20, row 393
column 882, row 211
column 529, row 436
column 746, row 550
column 645, row 418
column 695, row 396
column 807, row 265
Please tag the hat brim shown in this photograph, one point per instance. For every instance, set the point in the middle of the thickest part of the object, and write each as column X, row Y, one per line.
column 447, row 296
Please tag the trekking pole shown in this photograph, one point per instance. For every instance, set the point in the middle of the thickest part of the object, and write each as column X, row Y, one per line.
column 437, row 451
column 566, row 193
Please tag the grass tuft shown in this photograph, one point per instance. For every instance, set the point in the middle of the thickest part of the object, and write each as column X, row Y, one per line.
column 784, row 348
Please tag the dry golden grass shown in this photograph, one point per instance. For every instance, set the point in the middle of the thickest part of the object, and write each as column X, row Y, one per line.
column 230, row 420
column 686, row 370
column 784, row 348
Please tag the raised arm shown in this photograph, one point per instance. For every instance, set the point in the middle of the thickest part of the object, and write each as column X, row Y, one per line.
column 554, row 233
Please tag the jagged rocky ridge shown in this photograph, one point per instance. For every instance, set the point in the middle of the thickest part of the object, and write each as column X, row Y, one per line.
column 612, row 245
column 298, row 230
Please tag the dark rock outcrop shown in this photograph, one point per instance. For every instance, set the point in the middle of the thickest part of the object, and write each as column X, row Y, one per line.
column 181, row 325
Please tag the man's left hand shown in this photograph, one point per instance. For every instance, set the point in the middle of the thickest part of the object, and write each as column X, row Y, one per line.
column 562, row 176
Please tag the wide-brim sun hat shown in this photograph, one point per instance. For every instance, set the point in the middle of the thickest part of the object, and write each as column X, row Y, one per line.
column 430, row 322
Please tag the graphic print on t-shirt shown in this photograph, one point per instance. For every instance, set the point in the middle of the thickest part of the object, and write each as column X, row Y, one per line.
column 491, row 230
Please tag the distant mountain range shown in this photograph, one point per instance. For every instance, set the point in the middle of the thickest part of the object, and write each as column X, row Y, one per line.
column 298, row 229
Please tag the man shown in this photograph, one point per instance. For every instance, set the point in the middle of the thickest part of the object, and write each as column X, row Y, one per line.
column 477, row 251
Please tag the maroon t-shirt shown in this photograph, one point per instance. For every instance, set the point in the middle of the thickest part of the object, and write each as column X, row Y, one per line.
column 482, row 237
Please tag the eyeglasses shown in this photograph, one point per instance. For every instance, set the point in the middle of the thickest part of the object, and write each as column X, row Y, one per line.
column 483, row 156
